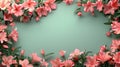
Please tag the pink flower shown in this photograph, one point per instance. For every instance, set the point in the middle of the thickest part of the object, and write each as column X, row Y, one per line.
column 8, row 17
column 56, row 63
column 30, row 5
column 37, row 18
column 68, row 2
column 25, row 18
column 114, row 4
column 41, row 11
column 108, row 34
column 17, row 9
column 14, row 35
column 79, row 13
column 103, row 57
column 5, row 46
column 25, row 63
column 99, row 5
column 89, row 7
column 4, row 4
column 35, row 58
column 75, row 54
column 44, row 63
column 10, row 9
column 68, row 63
column 22, row 52
column 12, row 24
column 2, row 27
column 108, row 8
column 115, row 45
column 3, row 37
column 49, row 5
column 7, row 61
column 102, row 48
column 62, row 53
column 116, row 27
column 42, row 52
column 91, row 61
column 116, row 58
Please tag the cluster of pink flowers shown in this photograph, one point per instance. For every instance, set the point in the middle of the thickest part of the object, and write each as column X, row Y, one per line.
column 26, row 10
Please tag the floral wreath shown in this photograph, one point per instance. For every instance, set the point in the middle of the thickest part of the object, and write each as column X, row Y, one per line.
column 24, row 11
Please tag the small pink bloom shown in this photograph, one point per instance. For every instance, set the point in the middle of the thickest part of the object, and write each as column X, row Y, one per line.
column 30, row 5
column 103, row 57
column 2, row 27
column 114, row 4
column 17, row 1
column 49, row 5
column 41, row 11
column 115, row 45
column 116, row 27
column 99, row 5
column 37, row 19
column 35, row 58
column 7, row 61
column 44, row 63
column 75, row 54
column 14, row 35
column 8, row 17
column 68, row 2
column 42, row 52
column 89, row 7
column 17, row 9
column 4, row 4
column 25, row 63
column 30, row 13
column 56, row 63
column 68, row 63
column 25, row 18
column 108, row 34
column 79, row 4
column 91, row 61
column 5, row 46
column 116, row 58
column 12, row 24
column 3, row 37
column 62, row 53
column 22, row 52
column 79, row 13
column 102, row 48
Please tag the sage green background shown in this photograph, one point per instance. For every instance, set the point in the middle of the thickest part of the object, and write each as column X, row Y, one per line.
column 62, row 29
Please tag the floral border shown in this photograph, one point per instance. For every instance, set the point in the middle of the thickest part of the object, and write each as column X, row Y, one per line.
column 26, row 10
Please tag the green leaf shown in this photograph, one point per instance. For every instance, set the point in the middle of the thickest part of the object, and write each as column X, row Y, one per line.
column 49, row 54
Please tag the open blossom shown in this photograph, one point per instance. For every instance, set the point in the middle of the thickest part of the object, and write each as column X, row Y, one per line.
column 7, row 61
column 17, row 9
column 30, row 5
column 4, row 4
column 91, row 61
column 2, row 27
column 8, row 17
column 49, row 5
column 3, row 36
column 68, row 2
column 75, row 54
column 116, row 58
column 115, row 45
column 56, row 63
column 68, row 63
column 99, row 5
column 62, row 53
column 35, row 57
column 103, row 56
column 116, row 27
column 25, row 63
column 41, row 11
column 14, row 35
column 89, row 7
column 111, row 6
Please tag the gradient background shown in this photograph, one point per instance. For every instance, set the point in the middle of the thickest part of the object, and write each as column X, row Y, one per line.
column 62, row 29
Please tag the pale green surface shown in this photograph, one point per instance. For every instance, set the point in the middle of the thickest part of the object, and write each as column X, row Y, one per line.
column 62, row 29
